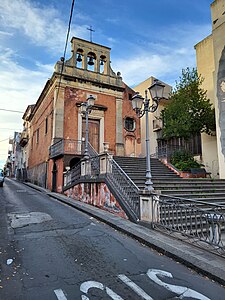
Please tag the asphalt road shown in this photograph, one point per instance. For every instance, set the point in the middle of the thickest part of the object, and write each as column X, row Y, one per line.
column 49, row 250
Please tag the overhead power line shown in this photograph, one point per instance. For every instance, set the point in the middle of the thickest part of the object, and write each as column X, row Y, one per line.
column 14, row 111
column 10, row 129
column 4, row 140
column 66, row 43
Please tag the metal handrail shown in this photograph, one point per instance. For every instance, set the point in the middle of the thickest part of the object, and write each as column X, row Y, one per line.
column 95, row 161
column 92, row 150
column 125, row 174
column 73, row 175
column 197, row 222
column 124, row 186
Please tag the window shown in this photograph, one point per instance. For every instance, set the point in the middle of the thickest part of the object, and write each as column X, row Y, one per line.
column 37, row 136
column 129, row 124
column 46, row 125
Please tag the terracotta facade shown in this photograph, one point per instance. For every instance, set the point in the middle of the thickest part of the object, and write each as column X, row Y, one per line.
column 57, row 125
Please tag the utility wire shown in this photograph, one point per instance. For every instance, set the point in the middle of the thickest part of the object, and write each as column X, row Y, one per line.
column 10, row 129
column 64, row 54
column 15, row 111
column 4, row 140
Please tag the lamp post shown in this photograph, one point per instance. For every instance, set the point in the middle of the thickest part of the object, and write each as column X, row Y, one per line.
column 143, row 106
column 86, row 108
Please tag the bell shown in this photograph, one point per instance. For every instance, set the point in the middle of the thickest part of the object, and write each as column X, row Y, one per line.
column 91, row 61
column 79, row 57
column 102, row 63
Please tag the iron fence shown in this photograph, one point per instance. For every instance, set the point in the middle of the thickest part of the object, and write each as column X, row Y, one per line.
column 195, row 221
column 167, row 151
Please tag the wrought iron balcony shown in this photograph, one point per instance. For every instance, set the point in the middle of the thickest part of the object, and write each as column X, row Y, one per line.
column 66, row 146
column 23, row 138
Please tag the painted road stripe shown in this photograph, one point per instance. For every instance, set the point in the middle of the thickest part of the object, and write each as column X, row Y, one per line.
column 60, row 295
column 134, row 287
column 85, row 286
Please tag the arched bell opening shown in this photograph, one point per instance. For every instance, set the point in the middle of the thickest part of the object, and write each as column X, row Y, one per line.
column 91, row 61
column 102, row 64
column 79, row 58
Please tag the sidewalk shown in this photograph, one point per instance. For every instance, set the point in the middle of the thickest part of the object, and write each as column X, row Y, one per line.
column 202, row 261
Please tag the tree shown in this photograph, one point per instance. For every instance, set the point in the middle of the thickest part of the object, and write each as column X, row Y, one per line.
column 189, row 111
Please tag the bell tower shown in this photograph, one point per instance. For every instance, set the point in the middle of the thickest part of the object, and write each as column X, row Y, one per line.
column 90, row 73
column 90, row 61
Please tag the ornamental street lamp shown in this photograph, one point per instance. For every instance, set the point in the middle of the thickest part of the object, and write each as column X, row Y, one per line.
column 143, row 106
column 86, row 108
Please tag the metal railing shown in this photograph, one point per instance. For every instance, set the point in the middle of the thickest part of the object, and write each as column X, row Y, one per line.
column 95, row 161
column 66, row 146
column 166, row 151
column 124, row 186
column 72, row 176
column 194, row 221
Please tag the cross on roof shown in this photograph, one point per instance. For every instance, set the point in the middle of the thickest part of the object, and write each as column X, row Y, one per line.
column 91, row 30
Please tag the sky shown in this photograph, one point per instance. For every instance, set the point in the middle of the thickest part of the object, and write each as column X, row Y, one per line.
column 146, row 37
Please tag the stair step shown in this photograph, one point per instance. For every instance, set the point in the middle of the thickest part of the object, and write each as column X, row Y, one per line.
column 192, row 195
column 169, row 183
column 200, row 190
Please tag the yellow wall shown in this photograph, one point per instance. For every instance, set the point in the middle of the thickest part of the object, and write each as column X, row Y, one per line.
column 153, row 134
column 208, row 55
column 218, row 33
column 205, row 67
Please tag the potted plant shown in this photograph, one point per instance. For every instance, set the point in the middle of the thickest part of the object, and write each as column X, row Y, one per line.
column 184, row 161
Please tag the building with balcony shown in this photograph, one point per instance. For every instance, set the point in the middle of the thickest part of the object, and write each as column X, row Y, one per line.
column 57, row 124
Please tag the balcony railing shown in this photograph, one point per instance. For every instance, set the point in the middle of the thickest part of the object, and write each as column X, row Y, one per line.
column 65, row 146
column 24, row 138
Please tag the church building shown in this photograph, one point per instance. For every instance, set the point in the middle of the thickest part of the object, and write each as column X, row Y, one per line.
column 58, row 125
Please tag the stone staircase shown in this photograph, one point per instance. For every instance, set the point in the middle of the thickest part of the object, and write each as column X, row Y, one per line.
column 169, row 183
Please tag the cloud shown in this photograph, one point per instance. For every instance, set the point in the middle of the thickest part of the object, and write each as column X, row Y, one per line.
column 164, row 57
column 42, row 26
column 5, row 33
column 19, row 87
column 15, row 79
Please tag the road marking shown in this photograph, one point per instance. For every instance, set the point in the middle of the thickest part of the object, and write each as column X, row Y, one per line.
column 60, row 295
column 85, row 286
column 181, row 291
column 21, row 191
column 134, row 287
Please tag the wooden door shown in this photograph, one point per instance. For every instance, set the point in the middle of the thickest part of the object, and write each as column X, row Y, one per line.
column 93, row 136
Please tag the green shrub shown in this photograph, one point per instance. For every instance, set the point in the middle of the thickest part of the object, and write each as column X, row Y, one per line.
column 184, row 161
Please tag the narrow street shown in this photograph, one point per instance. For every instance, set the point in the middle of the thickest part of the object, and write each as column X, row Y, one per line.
column 51, row 251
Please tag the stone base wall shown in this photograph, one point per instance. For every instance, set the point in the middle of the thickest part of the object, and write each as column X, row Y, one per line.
column 38, row 175
column 96, row 194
